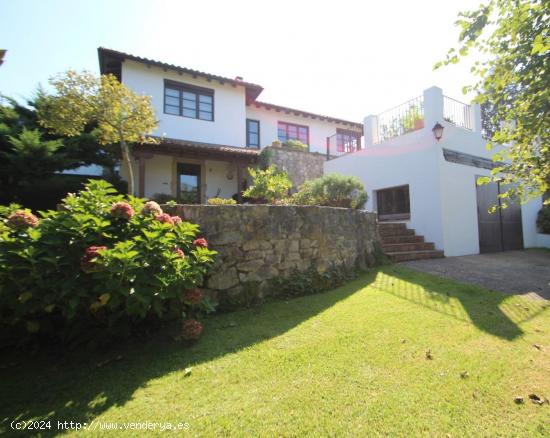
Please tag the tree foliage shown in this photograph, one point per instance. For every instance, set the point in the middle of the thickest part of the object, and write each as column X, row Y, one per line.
column 30, row 156
column 120, row 115
column 513, row 82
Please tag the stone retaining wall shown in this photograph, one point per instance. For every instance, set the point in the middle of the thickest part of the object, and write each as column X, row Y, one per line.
column 300, row 166
column 259, row 242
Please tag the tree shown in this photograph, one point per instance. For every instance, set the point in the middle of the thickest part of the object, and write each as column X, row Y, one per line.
column 31, row 158
column 121, row 116
column 513, row 84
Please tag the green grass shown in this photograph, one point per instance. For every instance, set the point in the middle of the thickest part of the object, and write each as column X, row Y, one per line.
column 351, row 361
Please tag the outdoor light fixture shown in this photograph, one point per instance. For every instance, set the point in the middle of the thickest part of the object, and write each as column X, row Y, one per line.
column 438, row 131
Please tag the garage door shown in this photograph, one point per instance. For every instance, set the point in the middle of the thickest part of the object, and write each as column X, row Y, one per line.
column 501, row 230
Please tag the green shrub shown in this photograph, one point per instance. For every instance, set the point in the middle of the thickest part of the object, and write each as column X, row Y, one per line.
column 311, row 281
column 332, row 190
column 543, row 219
column 163, row 198
column 99, row 267
column 221, row 201
column 296, row 145
column 268, row 185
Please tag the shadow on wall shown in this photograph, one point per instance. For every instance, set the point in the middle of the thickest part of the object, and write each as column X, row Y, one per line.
column 75, row 388
column 494, row 313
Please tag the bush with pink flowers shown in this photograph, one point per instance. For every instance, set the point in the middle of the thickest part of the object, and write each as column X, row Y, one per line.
column 102, row 265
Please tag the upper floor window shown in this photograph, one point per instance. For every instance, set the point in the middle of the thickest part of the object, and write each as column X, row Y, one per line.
column 290, row 131
column 252, row 133
column 188, row 101
column 347, row 141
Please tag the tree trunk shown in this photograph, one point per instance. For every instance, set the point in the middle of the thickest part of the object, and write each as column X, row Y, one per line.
column 128, row 163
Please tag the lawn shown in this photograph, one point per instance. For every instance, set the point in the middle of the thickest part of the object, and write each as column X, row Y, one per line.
column 393, row 353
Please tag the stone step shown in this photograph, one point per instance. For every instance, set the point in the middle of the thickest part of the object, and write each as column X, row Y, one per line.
column 405, row 247
column 392, row 226
column 401, row 239
column 414, row 255
column 391, row 232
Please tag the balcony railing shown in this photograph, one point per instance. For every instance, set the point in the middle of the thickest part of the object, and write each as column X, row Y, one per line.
column 343, row 143
column 402, row 119
column 457, row 113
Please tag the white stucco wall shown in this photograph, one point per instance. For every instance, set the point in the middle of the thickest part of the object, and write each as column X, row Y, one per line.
column 216, row 178
column 532, row 238
column 160, row 176
column 443, row 195
column 228, row 127
column 318, row 130
column 412, row 160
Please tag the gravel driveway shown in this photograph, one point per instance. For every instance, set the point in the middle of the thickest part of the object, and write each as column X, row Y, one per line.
column 511, row 272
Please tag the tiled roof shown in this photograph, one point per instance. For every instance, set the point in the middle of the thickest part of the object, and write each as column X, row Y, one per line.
column 104, row 53
column 175, row 146
column 287, row 110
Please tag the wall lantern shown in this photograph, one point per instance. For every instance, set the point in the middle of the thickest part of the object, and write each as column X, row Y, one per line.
column 438, row 131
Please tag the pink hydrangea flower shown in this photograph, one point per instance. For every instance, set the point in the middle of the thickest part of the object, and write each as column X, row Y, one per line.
column 176, row 220
column 151, row 208
column 201, row 242
column 192, row 329
column 122, row 210
column 165, row 218
column 179, row 252
column 193, row 296
column 89, row 262
column 21, row 220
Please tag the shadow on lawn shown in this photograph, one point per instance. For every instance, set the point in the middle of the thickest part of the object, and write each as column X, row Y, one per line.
column 493, row 312
column 74, row 388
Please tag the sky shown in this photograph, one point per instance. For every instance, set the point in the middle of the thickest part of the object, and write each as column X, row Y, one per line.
column 342, row 58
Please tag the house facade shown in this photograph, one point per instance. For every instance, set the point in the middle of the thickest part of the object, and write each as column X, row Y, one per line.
column 429, row 183
column 212, row 128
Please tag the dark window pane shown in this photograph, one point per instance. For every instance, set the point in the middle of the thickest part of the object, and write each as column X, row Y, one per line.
column 174, row 101
column 172, row 109
column 189, row 105
column 253, row 126
column 172, row 92
column 190, row 96
column 190, row 113
column 203, row 115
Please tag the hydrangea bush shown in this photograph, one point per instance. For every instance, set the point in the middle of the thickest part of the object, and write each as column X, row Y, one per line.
column 101, row 265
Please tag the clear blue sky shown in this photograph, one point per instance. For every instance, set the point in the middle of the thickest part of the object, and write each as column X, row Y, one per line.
column 347, row 58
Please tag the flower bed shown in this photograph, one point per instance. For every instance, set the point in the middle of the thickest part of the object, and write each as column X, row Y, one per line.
column 98, row 267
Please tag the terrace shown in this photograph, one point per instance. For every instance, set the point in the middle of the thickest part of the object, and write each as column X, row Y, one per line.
column 422, row 113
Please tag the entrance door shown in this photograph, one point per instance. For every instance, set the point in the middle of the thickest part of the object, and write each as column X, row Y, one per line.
column 189, row 183
column 501, row 230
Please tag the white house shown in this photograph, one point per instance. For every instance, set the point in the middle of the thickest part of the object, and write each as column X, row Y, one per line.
column 430, row 184
column 212, row 128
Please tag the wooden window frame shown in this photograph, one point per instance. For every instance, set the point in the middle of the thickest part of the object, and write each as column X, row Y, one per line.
column 404, row 215
column 347, row 133
column 287, row 124
column 198, row 91
column 248, row 145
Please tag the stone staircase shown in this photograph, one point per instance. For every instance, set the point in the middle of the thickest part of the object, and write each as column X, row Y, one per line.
column 401, row 244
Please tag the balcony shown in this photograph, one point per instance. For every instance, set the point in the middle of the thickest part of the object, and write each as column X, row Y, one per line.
column 421, row 113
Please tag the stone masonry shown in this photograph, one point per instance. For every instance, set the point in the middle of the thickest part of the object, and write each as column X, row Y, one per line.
column 300, row 166
column 256, row 243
